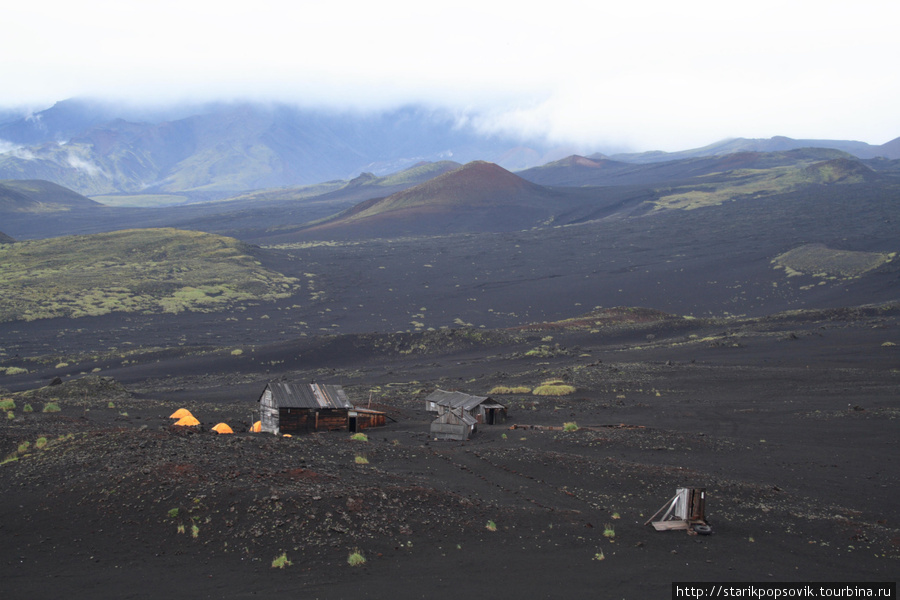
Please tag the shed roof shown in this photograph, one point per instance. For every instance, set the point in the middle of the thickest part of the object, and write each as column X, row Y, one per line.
column 460, row 400
column 455, row 417
column 307, row 395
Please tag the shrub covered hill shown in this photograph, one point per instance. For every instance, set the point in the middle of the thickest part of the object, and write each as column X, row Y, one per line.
column 141, row 270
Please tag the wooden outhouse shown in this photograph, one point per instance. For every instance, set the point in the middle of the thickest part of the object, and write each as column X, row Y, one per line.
column 286, row 407
column 686, row 510
column 453, row 425
column 483, row 409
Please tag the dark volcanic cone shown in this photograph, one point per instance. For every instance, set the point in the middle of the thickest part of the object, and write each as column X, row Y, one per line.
column 479, row 196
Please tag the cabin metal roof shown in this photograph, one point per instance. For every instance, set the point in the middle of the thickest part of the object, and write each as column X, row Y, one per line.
column 460, row 400
column 308, row 395
column 451, row 416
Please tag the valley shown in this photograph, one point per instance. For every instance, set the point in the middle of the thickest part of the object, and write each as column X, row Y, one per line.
column 730, row 329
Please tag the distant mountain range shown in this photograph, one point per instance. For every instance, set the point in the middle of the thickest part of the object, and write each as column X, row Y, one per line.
column 775, row 144
column 220, row 150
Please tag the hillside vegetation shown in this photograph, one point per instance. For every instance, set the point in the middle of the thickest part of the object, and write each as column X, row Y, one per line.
column 750, row 183
column 148, row 271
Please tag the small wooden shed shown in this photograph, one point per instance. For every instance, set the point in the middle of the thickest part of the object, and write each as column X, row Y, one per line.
column 363, row 418
column 483, row 409
column 453, row 425
column 286, row 407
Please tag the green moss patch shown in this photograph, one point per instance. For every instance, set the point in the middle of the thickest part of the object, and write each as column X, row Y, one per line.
column 820, row 261
column 143, row 271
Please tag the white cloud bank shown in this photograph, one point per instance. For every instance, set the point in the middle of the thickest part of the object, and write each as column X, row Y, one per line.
column 645, row 73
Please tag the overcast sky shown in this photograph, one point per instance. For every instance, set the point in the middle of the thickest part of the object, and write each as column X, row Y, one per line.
column 648, row 74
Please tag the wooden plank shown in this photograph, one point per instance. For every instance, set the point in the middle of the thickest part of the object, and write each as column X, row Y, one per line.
column 671, row 525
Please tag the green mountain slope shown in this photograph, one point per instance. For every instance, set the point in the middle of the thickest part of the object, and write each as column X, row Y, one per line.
column 717, row 188
column 35, row 196
column 144, row 271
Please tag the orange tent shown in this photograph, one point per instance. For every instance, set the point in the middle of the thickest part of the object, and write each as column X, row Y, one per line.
column 222, row 428
column 180, row 413
column 257, row 427
column 187, row 421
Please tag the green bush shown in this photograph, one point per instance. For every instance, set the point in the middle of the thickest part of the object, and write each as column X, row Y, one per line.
column 359, row 437
column 280, row 562
column 51, row 407
column 356, row 559
column 491, row 526
column 27, row 408
column 7, row 404
column 570, row 426
column 361, row 460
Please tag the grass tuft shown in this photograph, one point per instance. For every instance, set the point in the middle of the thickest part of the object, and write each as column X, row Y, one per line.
column 502, row 389
column 51, row 407
column 359, row 437
column 361, row 460
column 280, row 562
column 570, row 426
column 356, row 559
column 491, row 526
column 553, row 388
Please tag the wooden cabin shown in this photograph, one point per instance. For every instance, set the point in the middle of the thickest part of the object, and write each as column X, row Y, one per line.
column 453, row 425
column 286, row 407
column 483, row 409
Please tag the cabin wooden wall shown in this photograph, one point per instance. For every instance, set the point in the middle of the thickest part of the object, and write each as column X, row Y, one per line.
column 450, row 431
column 330, row 419
column 296, row 420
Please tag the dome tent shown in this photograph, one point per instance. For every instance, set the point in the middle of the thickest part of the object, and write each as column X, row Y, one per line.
column 181, row 413
column 187, row 421
column 222, row 428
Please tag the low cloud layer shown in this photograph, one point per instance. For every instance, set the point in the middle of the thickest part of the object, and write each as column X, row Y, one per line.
column 647, row 74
